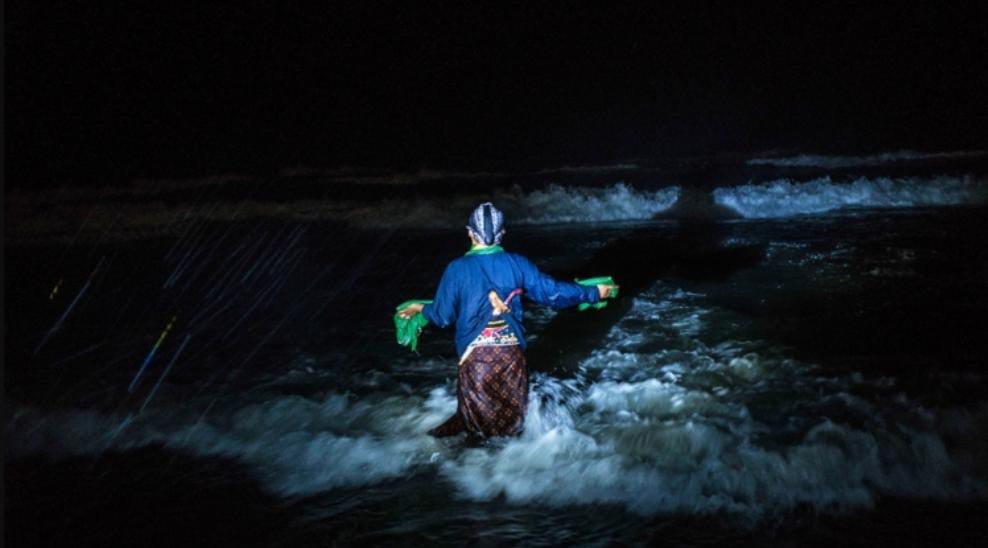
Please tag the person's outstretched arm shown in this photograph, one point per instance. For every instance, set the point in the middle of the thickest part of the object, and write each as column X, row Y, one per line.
column 442, row 311
column 545, row 289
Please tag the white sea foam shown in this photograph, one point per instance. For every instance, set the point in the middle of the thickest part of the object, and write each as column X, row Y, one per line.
column 549, row 205
column 619, row 202
column 678, row 429
column 836, row 162
column 553, row 204
column 654, row 447
column 783, row 197
column 685, row 441
column 294, row 445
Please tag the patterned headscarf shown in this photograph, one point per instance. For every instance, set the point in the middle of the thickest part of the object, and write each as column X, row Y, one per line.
column 487, row 224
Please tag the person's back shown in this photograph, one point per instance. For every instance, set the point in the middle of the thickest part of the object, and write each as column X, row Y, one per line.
column 464, row 295
column 480, row 294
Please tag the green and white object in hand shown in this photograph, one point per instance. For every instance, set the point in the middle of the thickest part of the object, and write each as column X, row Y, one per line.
column 601, row 280
column 408, row 330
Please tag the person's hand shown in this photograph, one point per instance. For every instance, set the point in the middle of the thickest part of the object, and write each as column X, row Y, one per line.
column 411, row 310
column 606, row 290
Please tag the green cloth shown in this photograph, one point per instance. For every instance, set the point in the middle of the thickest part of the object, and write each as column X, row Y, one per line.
column 485, row 250
column 601, row 280
column 407, row 331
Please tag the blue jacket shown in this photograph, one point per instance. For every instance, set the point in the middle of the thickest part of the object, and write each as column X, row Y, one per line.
column 462, row 295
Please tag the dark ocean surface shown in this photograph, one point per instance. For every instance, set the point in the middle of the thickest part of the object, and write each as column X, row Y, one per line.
column 797, row 357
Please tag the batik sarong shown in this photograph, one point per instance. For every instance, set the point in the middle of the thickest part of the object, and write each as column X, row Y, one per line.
column 491, row 393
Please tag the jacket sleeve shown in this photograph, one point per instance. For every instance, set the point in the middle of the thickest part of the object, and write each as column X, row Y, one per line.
column 441, row 312
column 546, row 290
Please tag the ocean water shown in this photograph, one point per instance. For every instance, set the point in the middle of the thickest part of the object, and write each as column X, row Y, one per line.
column 807, row 368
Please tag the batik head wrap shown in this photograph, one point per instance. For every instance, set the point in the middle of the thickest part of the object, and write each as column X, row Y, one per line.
column 487, row 224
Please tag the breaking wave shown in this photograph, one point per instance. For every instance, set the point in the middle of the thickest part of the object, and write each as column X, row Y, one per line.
column 553, row 204
column 677, row 427
column 295, row 446
column 783, row 197
column 835, row 162
column 122, row 221
column 680, row 430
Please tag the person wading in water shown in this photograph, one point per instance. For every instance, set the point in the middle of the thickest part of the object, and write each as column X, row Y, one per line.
column 480, row 293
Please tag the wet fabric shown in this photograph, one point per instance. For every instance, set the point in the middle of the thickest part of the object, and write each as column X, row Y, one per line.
column 407, row 330
column 491, row 393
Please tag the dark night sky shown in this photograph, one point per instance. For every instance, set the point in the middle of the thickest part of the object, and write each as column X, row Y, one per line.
column 102, row 89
